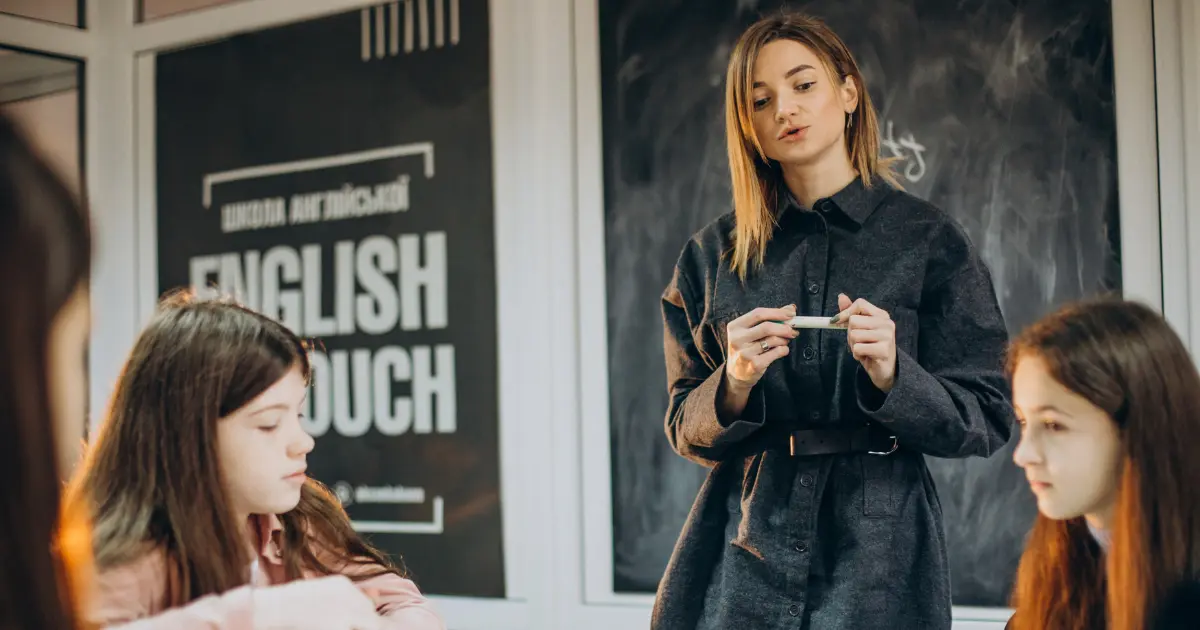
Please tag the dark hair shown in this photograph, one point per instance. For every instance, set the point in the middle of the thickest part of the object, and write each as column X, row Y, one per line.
column 151, row 479
column 1125, row 359
column 45, row 257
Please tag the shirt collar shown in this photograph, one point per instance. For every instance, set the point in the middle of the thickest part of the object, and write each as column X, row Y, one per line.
column 267, row 527
column 855, row 200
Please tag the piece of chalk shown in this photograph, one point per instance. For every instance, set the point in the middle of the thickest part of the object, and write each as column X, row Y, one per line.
column 804, row 321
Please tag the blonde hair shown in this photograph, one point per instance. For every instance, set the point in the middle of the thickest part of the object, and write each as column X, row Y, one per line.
column 755, row 181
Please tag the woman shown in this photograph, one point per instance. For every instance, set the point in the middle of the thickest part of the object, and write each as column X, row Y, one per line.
column 45, row 257
column 45, row 553
column 196, row 486
column 1109, row 406
column 819, row 510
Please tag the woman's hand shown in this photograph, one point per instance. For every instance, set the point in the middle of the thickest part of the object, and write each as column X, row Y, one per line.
column 871, row 334
column 756, row 340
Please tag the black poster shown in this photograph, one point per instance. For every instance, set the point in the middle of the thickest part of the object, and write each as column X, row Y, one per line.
column 1000, row 113
column 336, row 174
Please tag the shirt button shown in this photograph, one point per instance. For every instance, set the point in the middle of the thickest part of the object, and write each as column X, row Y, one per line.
column 794, row 610
column 800, row 546
column 809, row 353
column 806, row 480
column 814, row 288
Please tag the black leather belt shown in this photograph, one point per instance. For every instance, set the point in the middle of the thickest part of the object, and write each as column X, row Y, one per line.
column 866, row 439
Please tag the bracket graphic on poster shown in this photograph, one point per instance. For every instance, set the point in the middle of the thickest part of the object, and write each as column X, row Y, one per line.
column 347, row 495
column 435, row 526
column 298, row 166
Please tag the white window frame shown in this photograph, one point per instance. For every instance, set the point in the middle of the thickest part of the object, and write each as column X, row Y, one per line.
column 85, row 46
column 1177, row 68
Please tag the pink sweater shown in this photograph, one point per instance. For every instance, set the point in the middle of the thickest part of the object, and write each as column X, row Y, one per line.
column 136, row 592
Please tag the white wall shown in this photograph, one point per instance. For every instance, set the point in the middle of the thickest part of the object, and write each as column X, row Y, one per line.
column 548, row 193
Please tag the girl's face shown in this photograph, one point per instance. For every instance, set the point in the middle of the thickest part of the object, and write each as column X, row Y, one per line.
column 799, row 108
column 1070, row 449
column 66, row 353
column 263, row 449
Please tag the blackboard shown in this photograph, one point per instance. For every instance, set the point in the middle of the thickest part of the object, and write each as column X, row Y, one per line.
column 1002, row 113
column 354, row 151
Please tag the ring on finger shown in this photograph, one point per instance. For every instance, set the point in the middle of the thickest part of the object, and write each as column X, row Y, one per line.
column 765, row 346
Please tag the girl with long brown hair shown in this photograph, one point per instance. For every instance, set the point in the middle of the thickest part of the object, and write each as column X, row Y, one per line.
column 45, row 259
column 198, row 497
column 819, row 510
column 1109, row 406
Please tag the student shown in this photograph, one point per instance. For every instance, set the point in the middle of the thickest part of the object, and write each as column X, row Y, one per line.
column 1109, row 406
column 197, row 490
column 819, row 510
column 45, row 260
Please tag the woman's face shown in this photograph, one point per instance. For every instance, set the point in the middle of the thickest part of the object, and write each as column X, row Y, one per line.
column 1070, row 449
column 67, row 365
column 799, row 108
column 263, row 449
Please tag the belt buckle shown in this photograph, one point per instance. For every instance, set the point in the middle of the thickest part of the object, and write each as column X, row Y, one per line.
column 895, row 445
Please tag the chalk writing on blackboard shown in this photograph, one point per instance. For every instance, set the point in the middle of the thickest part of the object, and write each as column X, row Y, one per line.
column 907, row 150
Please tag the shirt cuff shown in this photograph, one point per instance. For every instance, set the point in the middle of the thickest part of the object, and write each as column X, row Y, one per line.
column 907, row 385
column 713, row 430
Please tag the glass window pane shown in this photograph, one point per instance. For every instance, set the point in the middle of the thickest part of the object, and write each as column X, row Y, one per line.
column 69, row 12
column 154, row 9
column 41, row 94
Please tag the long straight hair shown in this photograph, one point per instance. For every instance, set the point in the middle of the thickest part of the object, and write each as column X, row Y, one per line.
column 756, row 180
column 152, row 481
column 45, row 258
column 1125, row 359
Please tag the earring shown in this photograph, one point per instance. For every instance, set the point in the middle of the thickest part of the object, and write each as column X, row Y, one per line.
column 849, row 121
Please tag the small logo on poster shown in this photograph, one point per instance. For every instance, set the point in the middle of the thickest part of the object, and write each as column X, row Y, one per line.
column 344, row 493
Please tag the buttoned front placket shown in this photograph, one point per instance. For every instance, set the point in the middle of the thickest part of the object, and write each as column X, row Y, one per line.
column 808, row 264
